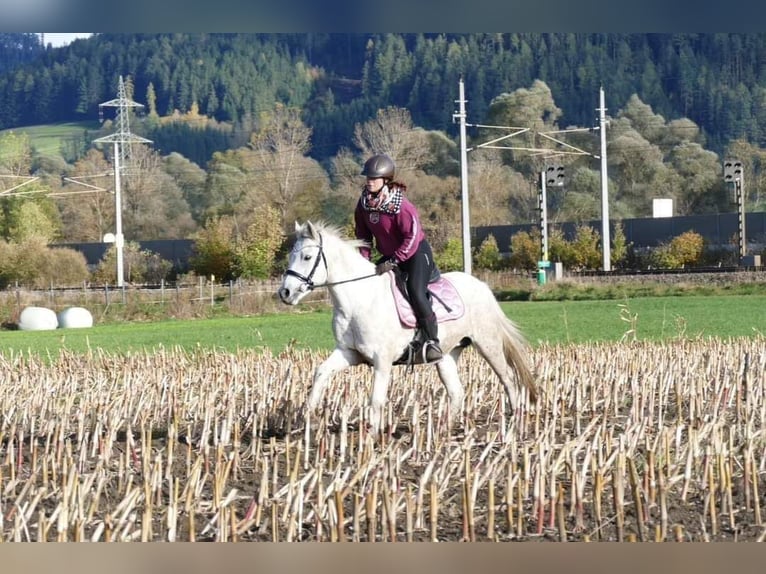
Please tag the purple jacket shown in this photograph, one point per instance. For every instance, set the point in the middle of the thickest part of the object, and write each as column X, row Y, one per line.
column 397, row 235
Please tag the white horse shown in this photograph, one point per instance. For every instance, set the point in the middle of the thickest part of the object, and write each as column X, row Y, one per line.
column 367, row 327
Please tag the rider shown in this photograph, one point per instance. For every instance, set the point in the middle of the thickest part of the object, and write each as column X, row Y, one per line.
column 384, row 213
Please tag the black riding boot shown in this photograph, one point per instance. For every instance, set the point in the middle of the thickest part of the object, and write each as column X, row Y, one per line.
column 431, row 350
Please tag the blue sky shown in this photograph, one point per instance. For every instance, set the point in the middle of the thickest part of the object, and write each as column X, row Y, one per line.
column 57, row 39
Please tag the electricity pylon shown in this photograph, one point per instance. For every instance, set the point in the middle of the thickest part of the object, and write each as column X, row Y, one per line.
column 121, row 140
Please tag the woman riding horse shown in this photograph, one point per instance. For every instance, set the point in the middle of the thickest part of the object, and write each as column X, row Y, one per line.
column 385, row 214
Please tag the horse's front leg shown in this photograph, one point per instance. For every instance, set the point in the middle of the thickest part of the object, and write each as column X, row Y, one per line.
column 338, row 359
column 380, row 379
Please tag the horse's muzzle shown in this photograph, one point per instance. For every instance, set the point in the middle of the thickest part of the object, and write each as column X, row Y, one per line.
column 284, row 294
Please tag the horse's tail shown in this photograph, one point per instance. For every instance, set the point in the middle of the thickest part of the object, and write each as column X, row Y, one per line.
column 514, row 348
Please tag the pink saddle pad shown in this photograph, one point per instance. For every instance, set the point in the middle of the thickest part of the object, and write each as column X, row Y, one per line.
column 446, row 302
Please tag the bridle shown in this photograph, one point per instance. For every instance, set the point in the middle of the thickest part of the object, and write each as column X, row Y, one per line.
column 308, row 279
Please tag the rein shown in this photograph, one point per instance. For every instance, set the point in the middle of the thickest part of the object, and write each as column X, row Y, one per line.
column 347, row 280
column 308, row 279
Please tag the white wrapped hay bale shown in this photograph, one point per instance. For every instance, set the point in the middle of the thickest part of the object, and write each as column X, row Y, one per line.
column 38, row 319
column 75, row 318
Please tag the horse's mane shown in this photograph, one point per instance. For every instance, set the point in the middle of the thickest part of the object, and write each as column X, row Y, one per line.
column 333, row 231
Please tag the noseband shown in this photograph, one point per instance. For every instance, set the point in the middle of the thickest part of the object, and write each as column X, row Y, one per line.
column 307, row 280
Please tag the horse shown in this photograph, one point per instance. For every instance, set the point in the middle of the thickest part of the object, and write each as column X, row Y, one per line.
column 368, row 329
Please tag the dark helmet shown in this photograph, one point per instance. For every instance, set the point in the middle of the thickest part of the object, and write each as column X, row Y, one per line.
column 379, row 165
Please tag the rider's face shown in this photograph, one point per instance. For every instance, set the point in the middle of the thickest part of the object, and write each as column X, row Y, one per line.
column 375, row 184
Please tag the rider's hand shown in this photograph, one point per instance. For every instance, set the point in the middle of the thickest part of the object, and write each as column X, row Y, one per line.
column 384, row 267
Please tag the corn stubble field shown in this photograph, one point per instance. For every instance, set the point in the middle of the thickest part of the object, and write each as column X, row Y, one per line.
column 630, row 441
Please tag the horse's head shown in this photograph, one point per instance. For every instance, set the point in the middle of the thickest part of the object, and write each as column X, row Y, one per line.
column 306, row 266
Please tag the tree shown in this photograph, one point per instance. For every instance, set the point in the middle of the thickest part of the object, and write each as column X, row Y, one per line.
column 88, row 215
column 153, row 205
column 140, row 266
column 392, row 132
column 586, row 248
column 498, row 194
column 230, row 178
column 753, row 160
column 681, row 251
column 283, row 171
column 151, row 99
column 257, row 250
column 488, row 255
column 525, row 249
column 700, row 171
column 530, row 108
column 214, row 252
column 346, row 183
column 190, row 179
column 642, row 118
column 620, row 246
column 636, row 160
column 451, row 257
column 31, row 221
column 582, row 201
column 15, row 154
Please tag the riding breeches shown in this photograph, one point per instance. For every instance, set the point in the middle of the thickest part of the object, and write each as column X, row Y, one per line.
column 419, row 269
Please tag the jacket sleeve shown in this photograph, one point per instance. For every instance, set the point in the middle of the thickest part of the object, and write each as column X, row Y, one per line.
column 409, row 226
column 362, row 231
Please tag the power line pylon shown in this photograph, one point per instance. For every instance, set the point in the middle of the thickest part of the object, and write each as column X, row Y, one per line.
column 121, row 140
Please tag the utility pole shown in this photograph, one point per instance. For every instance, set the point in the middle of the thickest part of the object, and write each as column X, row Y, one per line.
column 464, row 181
column 605, row 241
column 543, row 216
column 119, row 139
column 732, row 173
column 500, row 143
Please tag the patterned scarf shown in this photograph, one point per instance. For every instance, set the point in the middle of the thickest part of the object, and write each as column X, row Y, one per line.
column 388, row 200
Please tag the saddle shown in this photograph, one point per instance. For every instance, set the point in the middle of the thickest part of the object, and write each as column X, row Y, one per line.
column 445, row 300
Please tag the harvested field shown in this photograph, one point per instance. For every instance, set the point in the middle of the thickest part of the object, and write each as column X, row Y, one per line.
column 630, row 441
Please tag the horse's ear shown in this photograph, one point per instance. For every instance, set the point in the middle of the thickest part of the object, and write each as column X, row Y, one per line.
column 312, row 230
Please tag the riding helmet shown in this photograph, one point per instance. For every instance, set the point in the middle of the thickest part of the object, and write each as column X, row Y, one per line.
column 379, row 165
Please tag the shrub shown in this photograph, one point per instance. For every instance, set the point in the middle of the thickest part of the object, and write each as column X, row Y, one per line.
column 586, row 249
column 66, row 268
column 488, row 255
column 559, row 249
column 213, row 250
column 451, row 258
column 525, row 250
column 33, row 264
column 620, row 246
column 685, row 249
column 6, row 263
column 257, row 252
column 24, row 262
column 688, row 247
column 138, row 266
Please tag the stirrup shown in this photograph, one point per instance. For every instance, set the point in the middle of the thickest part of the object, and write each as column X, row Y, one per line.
column 431, row 351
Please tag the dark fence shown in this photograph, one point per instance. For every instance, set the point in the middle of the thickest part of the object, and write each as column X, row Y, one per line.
column 177, row 251
column 717, row 229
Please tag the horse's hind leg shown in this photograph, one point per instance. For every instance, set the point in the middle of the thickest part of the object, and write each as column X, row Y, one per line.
column 338, row 359
column 491, row 349
column 448, row 374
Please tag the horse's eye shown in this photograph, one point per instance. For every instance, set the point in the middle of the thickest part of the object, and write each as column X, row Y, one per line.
column 306, row 256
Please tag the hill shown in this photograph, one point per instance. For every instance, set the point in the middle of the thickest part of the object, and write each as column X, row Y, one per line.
column 338, row 80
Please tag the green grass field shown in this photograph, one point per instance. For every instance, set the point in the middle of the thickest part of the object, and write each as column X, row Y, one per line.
column 46, row 139
column 551, row 322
